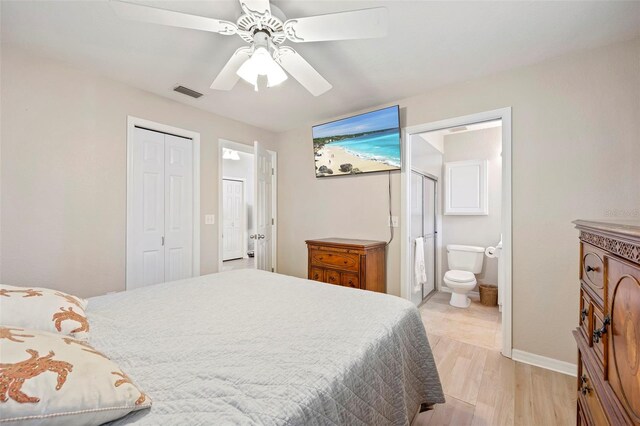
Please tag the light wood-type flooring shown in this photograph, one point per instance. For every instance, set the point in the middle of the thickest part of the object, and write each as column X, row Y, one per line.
column 481, row 386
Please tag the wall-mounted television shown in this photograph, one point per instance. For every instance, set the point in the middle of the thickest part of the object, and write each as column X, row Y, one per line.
column 363, row 143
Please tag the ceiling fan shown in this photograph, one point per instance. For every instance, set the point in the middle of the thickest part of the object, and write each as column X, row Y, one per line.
column 265, row 28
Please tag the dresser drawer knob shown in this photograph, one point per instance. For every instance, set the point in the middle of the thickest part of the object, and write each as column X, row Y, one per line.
column 584, row 389
column 590, row 268
column 583, row 314
column 597, row 334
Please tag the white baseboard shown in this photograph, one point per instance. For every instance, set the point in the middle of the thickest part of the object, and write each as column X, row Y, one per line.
column 545, row 362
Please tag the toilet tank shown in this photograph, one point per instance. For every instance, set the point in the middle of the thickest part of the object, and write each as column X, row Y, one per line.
column 465, row 258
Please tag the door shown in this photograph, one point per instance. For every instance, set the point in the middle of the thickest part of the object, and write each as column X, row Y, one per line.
column 232, row 211
column 429, row 234
column 263, row 207
column 423, row 224
column 160, row 214
column 178, row 189
column 417, row 222
column 145, row 249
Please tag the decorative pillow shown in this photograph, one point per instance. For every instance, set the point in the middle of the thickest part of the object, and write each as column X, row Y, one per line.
column 43, row 309
column 46, row 378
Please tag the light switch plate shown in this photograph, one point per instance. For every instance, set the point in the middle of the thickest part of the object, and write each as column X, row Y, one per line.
column 209, row 219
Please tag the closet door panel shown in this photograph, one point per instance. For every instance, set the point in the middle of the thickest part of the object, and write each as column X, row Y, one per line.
column 178, row 189
column 146, row 252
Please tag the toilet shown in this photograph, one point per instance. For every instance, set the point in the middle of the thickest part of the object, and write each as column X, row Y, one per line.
column 464, row 263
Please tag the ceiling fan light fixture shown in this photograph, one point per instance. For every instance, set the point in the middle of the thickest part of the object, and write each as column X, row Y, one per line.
column 261, row 63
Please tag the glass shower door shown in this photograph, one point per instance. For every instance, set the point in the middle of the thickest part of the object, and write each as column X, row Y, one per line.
column 429, row 234
column 423, row 224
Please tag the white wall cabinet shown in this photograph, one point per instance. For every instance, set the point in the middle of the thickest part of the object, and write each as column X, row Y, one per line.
column 466, row 188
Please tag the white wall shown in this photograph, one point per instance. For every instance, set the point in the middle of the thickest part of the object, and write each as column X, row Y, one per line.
column 243, row 169
column 483, row 231
column 576, row 126
column 63, row 180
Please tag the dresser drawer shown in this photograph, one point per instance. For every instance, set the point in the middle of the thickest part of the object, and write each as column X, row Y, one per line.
column 332, row 277
column 343, row 261
column 316, row 274
column 624, row 337
column 599, row 339
column 592, row 271
column 591, row 405
column 350, row 280
column 586, row 316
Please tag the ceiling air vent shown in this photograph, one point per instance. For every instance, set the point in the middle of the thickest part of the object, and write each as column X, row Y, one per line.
column 187, row 91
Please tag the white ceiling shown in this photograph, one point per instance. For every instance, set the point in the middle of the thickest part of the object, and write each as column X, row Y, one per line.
column 430, row 44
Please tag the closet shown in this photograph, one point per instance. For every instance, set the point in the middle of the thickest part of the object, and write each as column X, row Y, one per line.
column 160, row 215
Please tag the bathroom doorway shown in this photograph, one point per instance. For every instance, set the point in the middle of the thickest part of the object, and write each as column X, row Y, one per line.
column 469, row 162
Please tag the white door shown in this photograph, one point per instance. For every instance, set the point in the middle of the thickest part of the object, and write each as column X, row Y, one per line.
column 263, row 208
column 232, row 213
column 178, row 189
column 145, row 251
column 160, row 215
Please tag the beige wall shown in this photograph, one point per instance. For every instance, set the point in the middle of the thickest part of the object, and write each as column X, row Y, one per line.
column 483, row 231
column 63, row 179
column 576, row 128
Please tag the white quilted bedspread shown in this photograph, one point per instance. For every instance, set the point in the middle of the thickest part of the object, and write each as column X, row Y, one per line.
column 250, row 347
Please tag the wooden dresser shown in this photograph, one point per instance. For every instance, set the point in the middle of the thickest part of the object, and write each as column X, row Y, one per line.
column 350, row 263
column 608, row 334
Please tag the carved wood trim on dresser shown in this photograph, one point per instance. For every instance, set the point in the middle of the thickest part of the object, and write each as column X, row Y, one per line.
column 608, row 334
column 349, row 263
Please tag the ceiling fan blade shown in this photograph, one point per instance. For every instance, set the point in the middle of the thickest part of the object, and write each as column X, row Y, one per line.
column 137, row 12
column 356, row 24
column 227, row 78
column 302, row 71
column 257, row 8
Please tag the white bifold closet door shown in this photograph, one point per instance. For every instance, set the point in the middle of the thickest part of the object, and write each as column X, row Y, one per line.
column 233, row 216
column 160, row 235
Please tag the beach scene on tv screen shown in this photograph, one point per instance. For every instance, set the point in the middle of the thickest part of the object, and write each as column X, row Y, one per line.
column 365, row 143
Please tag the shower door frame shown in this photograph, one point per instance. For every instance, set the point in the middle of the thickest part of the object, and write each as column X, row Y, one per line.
column 435, row 267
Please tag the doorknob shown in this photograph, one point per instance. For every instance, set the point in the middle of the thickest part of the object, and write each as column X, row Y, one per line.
column 253, row 236
column 260, row 237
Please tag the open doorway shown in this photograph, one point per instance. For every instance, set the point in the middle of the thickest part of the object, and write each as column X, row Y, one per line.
column 238, row 228
column 247, row 214
column 468, row 162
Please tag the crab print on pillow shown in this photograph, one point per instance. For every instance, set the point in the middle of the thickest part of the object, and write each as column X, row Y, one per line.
column 43, row 309
column 46, row 378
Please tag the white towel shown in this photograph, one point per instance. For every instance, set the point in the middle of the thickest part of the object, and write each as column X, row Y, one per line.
column 419, row 265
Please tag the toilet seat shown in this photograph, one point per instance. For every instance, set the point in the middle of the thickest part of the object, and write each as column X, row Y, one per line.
column 460, row 283
column 460, row 276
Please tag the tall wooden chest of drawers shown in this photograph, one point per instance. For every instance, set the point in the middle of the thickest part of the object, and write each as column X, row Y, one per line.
column 608, row 335
column 349, row 263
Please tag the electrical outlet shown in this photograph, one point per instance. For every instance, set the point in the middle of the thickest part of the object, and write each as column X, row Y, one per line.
column 209, row 219
column 393, row 221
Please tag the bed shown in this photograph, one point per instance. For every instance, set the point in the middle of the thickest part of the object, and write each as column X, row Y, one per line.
column 251, row 347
